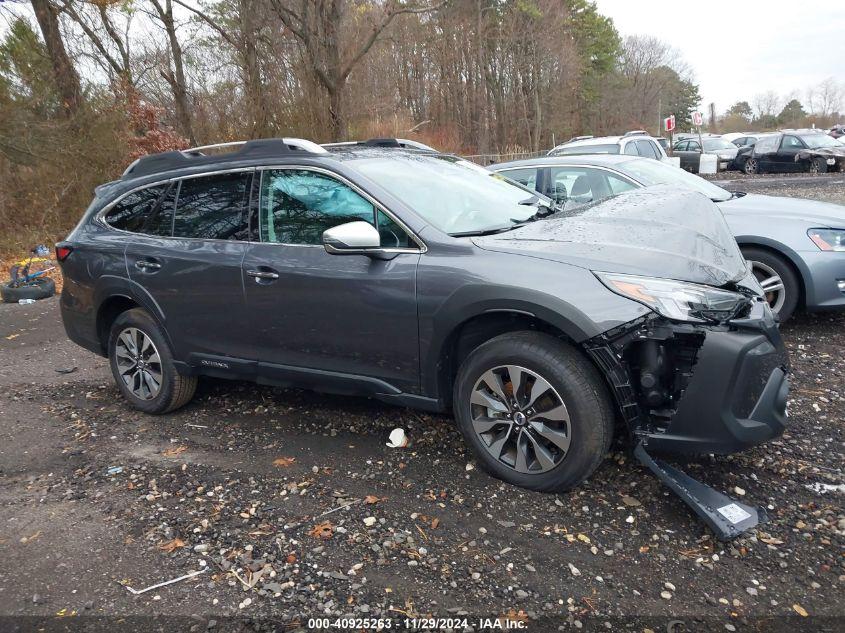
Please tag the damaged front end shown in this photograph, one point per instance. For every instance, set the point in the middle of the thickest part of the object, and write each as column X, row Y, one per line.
column 689, row 388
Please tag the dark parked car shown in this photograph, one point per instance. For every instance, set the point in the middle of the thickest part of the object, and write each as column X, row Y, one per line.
column 690, row 151
column 810, row 151
column 796, row 247
column 419, row 279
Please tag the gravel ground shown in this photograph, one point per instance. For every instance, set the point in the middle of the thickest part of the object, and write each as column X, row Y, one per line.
column 292, row 507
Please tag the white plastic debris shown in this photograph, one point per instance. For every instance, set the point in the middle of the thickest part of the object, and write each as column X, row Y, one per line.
column 821, row 488
column 398, row 439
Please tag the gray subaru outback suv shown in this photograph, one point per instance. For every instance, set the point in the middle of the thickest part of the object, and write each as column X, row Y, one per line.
column 416, row 278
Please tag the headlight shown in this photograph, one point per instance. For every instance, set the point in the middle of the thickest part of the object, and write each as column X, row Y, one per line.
column 677, row 299
column 828, row 239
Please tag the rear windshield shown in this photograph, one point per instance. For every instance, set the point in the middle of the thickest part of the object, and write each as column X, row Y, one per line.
column 609, row 148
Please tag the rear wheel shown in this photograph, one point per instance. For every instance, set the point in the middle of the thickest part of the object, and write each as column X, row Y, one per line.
column 778, row 279
column 534, row 411
column 142, row 365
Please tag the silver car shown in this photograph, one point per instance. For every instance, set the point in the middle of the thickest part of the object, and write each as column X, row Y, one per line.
column 796, row 247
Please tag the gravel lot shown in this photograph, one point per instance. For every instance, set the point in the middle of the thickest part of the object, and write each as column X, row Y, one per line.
column 241, row 484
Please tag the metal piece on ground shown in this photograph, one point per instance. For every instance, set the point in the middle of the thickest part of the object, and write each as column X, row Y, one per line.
column 727, row 517
column 137, row 592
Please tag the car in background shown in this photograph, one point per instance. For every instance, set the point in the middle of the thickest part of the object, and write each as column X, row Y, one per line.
column 802, row 150
column 402, row 143
column 837, row 131
column 746, row 140
column 732, row 136
column 690, row 151
column 744, row 150
column 796, row 247
column 634, row 143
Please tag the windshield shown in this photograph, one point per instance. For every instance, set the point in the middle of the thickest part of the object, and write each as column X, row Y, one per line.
column 451, row 193
column 652, row 172
column 714, row 144
column 815, row 141
column 604, row 148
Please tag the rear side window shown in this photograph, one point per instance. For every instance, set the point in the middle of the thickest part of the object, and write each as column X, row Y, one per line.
column 135, row 210
column 631, row 149
column 213, row 207
column 647, row 149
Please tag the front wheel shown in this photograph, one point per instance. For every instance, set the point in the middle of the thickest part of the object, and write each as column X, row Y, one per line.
column 818, row 166
column 778, row 279
column 535, row 412
column 751, row 167
column 142, row 365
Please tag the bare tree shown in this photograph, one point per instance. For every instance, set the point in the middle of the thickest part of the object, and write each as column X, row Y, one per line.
column 174, row 74
column 331, row 52
column 766, row 103
column 64, row 73
column 111, row 46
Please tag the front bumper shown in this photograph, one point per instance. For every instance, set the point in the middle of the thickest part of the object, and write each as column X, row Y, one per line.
column 721, row 389
column 825, row 271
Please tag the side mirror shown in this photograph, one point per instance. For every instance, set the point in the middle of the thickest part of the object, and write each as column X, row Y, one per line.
column 352, row 238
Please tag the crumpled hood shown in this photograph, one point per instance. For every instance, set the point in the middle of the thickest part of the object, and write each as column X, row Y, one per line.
column 826, row 151
column 655, row 231
column 819, row 214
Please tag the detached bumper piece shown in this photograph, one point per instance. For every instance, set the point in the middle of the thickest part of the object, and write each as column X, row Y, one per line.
column 727, row 517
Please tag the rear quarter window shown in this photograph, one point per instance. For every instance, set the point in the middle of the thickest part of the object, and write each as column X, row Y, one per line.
column 135, row 210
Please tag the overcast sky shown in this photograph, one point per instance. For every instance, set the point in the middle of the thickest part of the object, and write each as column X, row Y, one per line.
column 739, row 48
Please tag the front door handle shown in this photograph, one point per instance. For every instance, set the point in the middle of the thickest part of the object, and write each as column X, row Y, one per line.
column 262, row 274
column 145, row 265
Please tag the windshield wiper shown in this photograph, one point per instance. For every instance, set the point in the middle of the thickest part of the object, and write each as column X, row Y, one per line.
column 498, row 229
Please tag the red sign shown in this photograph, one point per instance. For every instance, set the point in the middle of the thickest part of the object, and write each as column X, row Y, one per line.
column 697, row 119
column 669, row 123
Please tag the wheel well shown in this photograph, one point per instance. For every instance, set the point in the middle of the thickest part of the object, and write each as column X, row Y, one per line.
column 477, row 330
column 802, row 298
column 109, row 310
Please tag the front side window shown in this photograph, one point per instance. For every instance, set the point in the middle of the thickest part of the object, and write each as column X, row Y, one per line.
column 584, row 184
column 526, row 177
column 791, row 142
column 694, row 146
column 135, row 210
column 297, row 205
column 213, row 207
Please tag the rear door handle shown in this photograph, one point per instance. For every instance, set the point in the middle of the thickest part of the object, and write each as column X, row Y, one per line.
column 145, row 265
column 262, row 274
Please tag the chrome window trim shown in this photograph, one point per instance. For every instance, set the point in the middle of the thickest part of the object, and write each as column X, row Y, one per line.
column 99, row 218
column 376, row 204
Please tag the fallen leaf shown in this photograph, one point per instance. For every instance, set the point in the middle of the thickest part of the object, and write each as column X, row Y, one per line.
column 323, row 530
column 583, row 538
column 27, row 539
column 371, row 499
column 435, row 523
column 176, row 450
column 171, row 546
column 800, row 610
column 284, row 462
column 771, row 540
column 630, row 501
column 291, row 559
column 12, row 336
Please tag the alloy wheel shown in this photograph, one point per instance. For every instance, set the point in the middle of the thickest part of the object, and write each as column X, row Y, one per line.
column 751, row 166
column 138, row 363
column 772, row 284
column 520, row 419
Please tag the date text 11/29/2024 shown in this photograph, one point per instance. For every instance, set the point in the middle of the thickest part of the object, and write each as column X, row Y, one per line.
column 418, row 624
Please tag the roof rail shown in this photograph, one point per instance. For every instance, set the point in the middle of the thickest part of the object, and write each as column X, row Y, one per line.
column 580, row 138
column 196, row 156
column 383, row 142
column 637, row 133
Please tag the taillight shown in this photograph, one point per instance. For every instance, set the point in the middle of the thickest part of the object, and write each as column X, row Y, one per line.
column 62, row 252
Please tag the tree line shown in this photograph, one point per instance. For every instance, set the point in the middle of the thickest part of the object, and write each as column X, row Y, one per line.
column 85, row 85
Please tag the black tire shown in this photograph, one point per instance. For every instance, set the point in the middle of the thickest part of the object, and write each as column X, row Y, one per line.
column 818, row 166
column 784, row 270
column 751, row 167
column 572, row 376
column 175, row 390
column 40, row 288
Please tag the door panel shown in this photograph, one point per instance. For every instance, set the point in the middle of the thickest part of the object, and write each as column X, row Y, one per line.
column 348, row 314
column 194, row 281
column 342, row 313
